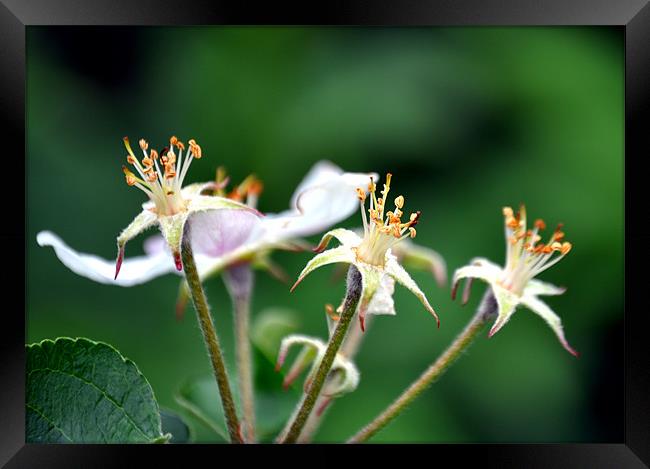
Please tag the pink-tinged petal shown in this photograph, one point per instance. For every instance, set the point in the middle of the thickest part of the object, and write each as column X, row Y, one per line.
column 543, row 310
column 134, row 270
column 216, row 233
column 154, row 245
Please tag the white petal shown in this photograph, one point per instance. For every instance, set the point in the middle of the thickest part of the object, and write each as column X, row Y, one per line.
column 394, row 269
column 382, row 301
column 135, row 270
column 326, row 196
column 552, row 319
column 536, row 287
column 346, row 237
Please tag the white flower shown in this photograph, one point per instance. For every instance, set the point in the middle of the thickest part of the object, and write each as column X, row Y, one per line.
column 514, row 284
column 224, row 237
column 371, row 254
column 170, row 207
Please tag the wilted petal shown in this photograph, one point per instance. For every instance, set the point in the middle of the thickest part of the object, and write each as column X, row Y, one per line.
column 382, row 301
column 371, row 281
column 537, row 287
column 346, row 237
column 507, row 303
column 331, row 256
column 398, row 273
column 342, row 378
column 136, row 270
column 552, row 319
column 479, row 268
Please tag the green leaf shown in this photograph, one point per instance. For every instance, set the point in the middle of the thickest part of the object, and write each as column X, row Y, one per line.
column 82, row 391
column 270, row 327
column 173, row 424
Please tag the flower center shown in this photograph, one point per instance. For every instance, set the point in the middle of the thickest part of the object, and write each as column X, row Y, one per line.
column 161, row 176
column 526, row 257
column 384, row 230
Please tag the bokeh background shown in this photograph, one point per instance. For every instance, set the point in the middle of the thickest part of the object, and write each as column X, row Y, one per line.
column 467, row 119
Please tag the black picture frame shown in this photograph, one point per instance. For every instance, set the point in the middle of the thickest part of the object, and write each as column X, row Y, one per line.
column 631, row 15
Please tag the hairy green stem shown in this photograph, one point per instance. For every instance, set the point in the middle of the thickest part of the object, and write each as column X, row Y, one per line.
column 309, row 400
column 349, row 349
column 211, row 340
column 484, row 313
column 239, row 281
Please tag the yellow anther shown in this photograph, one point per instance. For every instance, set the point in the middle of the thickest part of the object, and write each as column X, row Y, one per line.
column 556, row 246
column 131, row 159
column 566, row 247
column 153, row 154
column 507, row 212
column 412, row 232
column 372, row 187
column 152, row 177
column 180, row 145
column 148, row 162
column 399, row 201
column 143, row 144
column 173, row 141
column 539, row 224
column 361, row 194
column 547, row 249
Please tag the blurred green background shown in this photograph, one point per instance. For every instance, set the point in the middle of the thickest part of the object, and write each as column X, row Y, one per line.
column 467, row 119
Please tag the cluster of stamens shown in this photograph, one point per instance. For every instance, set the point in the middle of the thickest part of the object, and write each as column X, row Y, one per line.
column 161, row 176
column 383, row 230
column 526, row 256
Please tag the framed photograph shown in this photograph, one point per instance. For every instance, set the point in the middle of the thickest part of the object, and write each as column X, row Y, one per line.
column 373, row 225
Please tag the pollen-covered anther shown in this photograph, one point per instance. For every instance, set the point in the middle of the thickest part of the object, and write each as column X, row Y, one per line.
column 399, row 202
column 361, row 194
column 566, row 247
column 195, row 149
column 539, row 224
column 143, row 144
column 412, row 232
